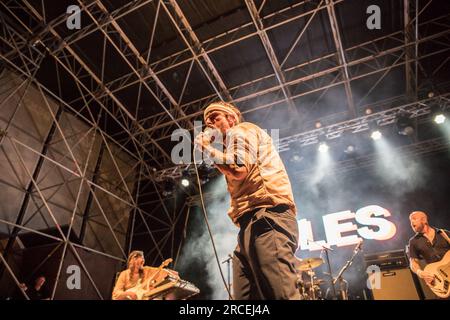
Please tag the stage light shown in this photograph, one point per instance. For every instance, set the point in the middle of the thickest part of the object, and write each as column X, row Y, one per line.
column 438, row 114
column 375, row 132
column 348, row 143
column 439, row 118
column 350, row 149
column 404, row 124
column 376, row 135
column 323, row 147
column 185, row 178
column 296, row 157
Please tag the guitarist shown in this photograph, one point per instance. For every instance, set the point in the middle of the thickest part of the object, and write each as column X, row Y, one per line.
column 429, row 244
column 135, row 274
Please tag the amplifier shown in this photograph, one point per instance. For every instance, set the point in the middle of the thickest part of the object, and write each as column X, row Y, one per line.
column 395, row 281
column 388, row 260
column 396, row 284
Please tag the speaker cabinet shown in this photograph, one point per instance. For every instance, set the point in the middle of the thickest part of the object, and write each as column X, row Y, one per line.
column 395, row 284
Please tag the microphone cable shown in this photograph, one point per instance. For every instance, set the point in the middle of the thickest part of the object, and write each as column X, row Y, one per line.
column 205, row 216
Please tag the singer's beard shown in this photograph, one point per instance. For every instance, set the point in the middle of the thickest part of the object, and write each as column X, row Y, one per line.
column 136, row 269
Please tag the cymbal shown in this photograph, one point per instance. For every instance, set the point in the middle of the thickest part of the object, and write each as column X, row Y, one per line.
column 309, row 263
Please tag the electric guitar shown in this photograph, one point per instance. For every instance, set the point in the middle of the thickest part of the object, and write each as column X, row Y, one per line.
column 143, row 287
column 441, row 271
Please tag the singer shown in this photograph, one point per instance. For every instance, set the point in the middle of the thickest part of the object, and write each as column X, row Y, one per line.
column 262, row 205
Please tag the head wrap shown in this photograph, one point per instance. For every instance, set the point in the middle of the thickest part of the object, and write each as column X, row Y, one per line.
column 223, row 107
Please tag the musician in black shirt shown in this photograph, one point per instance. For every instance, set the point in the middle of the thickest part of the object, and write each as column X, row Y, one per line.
column 429, row 244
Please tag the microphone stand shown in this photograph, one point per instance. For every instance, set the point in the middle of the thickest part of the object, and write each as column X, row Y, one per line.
column 339, row 277
column 327, row 261
column 228, row 261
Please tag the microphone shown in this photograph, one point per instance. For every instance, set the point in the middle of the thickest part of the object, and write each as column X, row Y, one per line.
column 324, row 246
column 210, row 133
column 230, row 257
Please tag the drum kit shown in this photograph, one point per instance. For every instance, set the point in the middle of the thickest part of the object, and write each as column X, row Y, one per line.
column 308, row 283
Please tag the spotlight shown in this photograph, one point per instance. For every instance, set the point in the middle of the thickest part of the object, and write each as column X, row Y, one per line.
column 438, row 114
column 296, row 157
column 323, row 147
column 185, row 178
column 185, row 182
column 376, row 135
column 404, row 124
column 440, row 118
column 348, row 143
column 350, row 149
column 375, row 132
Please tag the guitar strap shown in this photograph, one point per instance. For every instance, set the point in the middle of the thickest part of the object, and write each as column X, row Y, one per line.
column 444, row 234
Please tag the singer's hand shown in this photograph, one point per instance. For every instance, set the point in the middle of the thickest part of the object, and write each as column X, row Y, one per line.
column 202, row 140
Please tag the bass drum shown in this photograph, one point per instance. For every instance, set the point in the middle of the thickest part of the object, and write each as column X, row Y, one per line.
column 308, row 290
